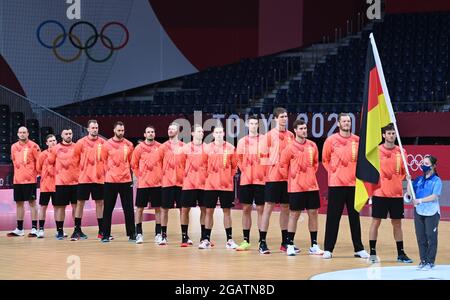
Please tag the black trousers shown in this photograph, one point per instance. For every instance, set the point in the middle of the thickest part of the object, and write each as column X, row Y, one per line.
column 125, row 190
column 427, row 236
column 337, row 198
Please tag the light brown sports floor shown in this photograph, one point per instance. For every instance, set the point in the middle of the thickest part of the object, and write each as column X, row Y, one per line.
column 31, row 258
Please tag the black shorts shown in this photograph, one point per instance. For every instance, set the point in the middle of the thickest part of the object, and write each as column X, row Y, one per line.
column 304, row 200
column 151, row 195
column 170, row 196
column 44, row 198
column 276, row 192
column 85, row 190
column 24, row 192
column 192, row 198
column 251, row 192
column 65, row 195
column 381, row 206
column 226, row 199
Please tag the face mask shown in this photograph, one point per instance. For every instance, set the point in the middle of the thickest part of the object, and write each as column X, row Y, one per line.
column 425, row 169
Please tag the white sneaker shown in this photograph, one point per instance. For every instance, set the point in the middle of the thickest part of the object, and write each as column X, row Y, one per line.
column 374, row 259
column 290, row 251
column 158, row 238
column 315, row 250
column 362, row 254
column 327, row 255
column 16, row 232
column 40, row 234
column 163, row 241
column 205, row 244
column 231, row 244
column 190, row 242
column 139, row 239
column 33, row 232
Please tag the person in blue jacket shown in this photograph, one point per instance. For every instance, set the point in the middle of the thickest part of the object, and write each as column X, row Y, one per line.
column 427, row 189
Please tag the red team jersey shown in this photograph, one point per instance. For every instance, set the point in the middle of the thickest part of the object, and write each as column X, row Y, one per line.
column 339, row 157
column 47, row 172
column 171, row 155
column 63, row 157
column 222, row 165
column 195, row 162
column 117, row 158
column 275, row 142
column 147, row 165
column 249, row 161
column 300, row 162
column 24, row 157
column 89, row 153
column 392, row 173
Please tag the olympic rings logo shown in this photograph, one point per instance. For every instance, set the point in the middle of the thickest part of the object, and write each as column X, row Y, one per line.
column 76, row 42
column 415, row 161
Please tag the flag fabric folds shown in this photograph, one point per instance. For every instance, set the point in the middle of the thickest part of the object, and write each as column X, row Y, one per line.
column 375, row 114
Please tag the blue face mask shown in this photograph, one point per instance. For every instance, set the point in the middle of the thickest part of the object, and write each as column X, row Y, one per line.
column 425, row 169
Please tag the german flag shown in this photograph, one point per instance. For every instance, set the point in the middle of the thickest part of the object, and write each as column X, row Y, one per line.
column 376, row 113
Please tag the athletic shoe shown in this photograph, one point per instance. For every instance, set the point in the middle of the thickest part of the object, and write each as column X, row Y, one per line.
column 190, row 242
column 421, row 265
column 16, row 232
column 40, row 234
column 33, row 232
column 290, row 251
column 263, row 248
column 139, row 239
column 428, row 267
column 244, row 246
column 327, row 255
column 60, row 236
column 105, row 240
column 158, row 238
column 283, row 248
column 64, row 234
column 404, row 259
column 100, row 236
column 163, row 241
column 231, row 244
column 315, row 250
column 205, row 244
column 81, row 235
column 374, row 259
column 362, row 254
column 132, row 238
column 74, row 236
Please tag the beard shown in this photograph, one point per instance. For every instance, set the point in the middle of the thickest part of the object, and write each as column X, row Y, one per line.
column 150, row 139
column 119, row 136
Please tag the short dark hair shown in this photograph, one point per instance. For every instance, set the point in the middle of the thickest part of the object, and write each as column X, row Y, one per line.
column 118, row 123
column 149, row 126
column 298, row 123
column 253, row 117
column 278, row 111
column 49, row 136
column 389, row 127
column 342, row 114
column 91, row 121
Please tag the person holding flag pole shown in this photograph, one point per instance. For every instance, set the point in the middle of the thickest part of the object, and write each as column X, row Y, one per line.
column 377, row 114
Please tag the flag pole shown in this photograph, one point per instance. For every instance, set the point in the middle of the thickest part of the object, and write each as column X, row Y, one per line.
column 390, row 109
